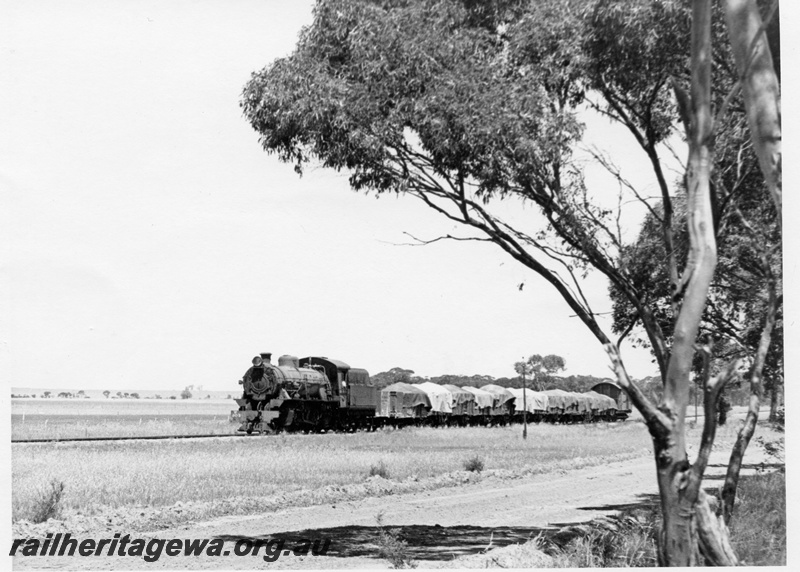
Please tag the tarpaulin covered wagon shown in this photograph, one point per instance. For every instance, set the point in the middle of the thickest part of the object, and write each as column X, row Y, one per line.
column 484, row 401
column 404, row 401
column 534, row 402
column 440, row 397
column 501, row 395
column 560, row 404
column 582, row 405
column 603, row 406
column 615, row 392
column 463, row 404
column 441, row 402
column 503, row 403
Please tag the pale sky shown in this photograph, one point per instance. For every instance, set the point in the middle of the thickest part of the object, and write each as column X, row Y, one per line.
column 148, row 242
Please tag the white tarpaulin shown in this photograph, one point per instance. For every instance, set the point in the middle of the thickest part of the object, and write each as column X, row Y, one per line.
column 459, row 395
column 441, row 398
column 482, row 398
column 501, row 394
column 534, row 400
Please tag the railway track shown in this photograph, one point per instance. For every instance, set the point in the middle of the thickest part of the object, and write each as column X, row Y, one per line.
column 140, row 438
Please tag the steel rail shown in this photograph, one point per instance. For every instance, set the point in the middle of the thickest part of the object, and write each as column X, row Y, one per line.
column 139, row 438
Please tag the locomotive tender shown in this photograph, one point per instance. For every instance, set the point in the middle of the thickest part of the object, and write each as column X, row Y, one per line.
column 321, row 394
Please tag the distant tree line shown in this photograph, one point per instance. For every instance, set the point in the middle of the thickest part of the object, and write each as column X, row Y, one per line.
column 651, row 386
column 47, row 394
column 185, row 394
column 547, row 381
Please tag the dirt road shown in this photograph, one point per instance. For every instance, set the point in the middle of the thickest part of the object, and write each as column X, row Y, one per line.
column 438, row 525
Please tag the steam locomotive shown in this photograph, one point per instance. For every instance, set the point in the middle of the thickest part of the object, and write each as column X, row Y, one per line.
column 312, row 394
column 322, row 394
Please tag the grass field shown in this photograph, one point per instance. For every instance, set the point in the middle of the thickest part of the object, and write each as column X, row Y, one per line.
column 128, row 474
column 105, row 407
column 82, row 418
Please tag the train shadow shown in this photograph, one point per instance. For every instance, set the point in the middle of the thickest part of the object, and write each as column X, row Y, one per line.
column 645, row 501
column 752, row 466
column 424, row 542
column 434, row 542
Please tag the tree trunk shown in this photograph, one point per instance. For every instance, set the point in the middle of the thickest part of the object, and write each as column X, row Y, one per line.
column 678, row 482
column 715, row 545
column 775, row 398
column 724, row 407
column 728, row 495
column 677, row 542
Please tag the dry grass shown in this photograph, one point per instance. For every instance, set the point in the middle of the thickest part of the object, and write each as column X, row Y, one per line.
column 76, row 419
column 109, row 407
column 758, row 526
column 757, row 531
column 625, row 541
column 121, row 426
column 125, row 474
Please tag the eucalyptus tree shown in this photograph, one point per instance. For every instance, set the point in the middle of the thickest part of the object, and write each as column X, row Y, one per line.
column 463, row 105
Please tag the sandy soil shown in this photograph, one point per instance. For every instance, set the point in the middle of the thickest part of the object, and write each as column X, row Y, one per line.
column 438, row 525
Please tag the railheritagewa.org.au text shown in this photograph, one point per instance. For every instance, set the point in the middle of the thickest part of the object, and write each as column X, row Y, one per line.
column 150, row 550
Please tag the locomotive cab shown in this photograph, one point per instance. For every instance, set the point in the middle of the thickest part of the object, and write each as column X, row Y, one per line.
column 335, row 370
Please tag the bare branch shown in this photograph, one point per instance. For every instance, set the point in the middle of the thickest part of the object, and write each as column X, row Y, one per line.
column 421, row 242
column 627, row 330
column 617, row 174
column 657, row 422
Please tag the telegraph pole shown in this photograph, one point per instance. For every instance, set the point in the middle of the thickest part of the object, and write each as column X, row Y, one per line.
column 524, row 402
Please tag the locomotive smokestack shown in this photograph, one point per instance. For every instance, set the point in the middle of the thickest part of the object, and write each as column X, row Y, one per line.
column 267, row 357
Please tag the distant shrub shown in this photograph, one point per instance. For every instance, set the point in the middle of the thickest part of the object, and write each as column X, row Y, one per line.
column 474, row 464
column 48, row 503
column 379, row 470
